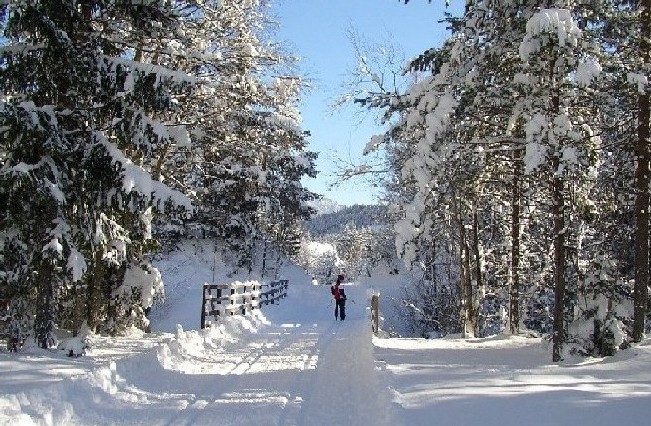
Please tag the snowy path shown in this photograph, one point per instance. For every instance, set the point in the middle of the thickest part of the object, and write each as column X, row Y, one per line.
column 301, row 367
column 294, row 365
column 345, row 390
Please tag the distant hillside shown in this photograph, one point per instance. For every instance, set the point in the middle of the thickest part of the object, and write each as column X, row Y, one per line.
column 324, row 206
column 360, row 216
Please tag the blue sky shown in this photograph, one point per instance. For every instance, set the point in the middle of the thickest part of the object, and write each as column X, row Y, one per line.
column 317, row 31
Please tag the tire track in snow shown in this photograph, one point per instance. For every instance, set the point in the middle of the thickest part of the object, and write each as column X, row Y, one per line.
column 267, row 382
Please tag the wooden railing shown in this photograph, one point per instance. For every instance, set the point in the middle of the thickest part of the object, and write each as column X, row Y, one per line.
column 275, row 291
column 238, row 298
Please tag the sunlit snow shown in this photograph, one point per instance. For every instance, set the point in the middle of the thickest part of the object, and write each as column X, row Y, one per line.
column 293, row 364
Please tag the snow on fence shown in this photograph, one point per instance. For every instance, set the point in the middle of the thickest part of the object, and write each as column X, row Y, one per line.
column 238, row 298
column 276, row 290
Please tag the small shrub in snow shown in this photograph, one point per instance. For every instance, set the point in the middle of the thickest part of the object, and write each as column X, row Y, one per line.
column 76, row 346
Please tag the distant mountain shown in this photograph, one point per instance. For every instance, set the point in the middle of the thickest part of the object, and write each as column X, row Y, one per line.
column 325, row 206
column 360, row 216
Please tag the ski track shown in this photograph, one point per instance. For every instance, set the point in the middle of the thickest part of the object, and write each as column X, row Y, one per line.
column 297, row 366
column 294, row 371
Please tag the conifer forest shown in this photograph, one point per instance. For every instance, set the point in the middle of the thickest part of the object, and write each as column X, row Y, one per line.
column 515, row 167
column 124, row 123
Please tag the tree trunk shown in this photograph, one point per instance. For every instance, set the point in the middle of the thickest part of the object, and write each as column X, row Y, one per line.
column 476, row 251
column 640, row 291
column 559, row 264
column 96, row 284
column 433, row 269
column 514, row 290
column 44, row 319
column 558, row 218
column 466, row 291
column 467, row 308
column 264, row 258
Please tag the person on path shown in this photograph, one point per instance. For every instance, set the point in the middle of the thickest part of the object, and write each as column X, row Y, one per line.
column 342, row 304
column 337, row 294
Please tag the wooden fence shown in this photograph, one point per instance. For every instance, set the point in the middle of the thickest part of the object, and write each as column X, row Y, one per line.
column 275, row 291
column 238, row 298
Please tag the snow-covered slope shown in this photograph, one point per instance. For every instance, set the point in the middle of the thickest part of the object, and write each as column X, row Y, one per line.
column 293, row 364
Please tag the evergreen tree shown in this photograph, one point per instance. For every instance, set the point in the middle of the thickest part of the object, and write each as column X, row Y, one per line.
column 468, row 133
column 250, row 150
column 102, row 102
column 80, row 131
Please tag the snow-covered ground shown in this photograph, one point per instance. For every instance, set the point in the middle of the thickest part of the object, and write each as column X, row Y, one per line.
column 293, row 364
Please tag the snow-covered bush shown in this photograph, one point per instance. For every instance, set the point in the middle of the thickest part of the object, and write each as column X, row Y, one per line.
column 431, row 309
column 76, row 346
column 604, row 306
column 133, row 299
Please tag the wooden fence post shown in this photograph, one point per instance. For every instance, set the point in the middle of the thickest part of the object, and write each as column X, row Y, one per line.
column 375, row 313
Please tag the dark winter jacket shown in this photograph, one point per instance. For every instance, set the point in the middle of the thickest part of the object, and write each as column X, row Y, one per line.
column 336, row 291
column 342, row 294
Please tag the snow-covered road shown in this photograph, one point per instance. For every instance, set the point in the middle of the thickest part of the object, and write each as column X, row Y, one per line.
column 298, row 369
column 292, row 365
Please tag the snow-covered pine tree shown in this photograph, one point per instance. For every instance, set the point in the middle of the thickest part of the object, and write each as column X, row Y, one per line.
column 250, row 151
column 500, row 31
column 476, row 72
column 494, row 29
column 560, row 141
column 480, row 118
column 479, row 78
column 617, row 27
column 81, row 130
column 429, row 185
column 491, row 32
